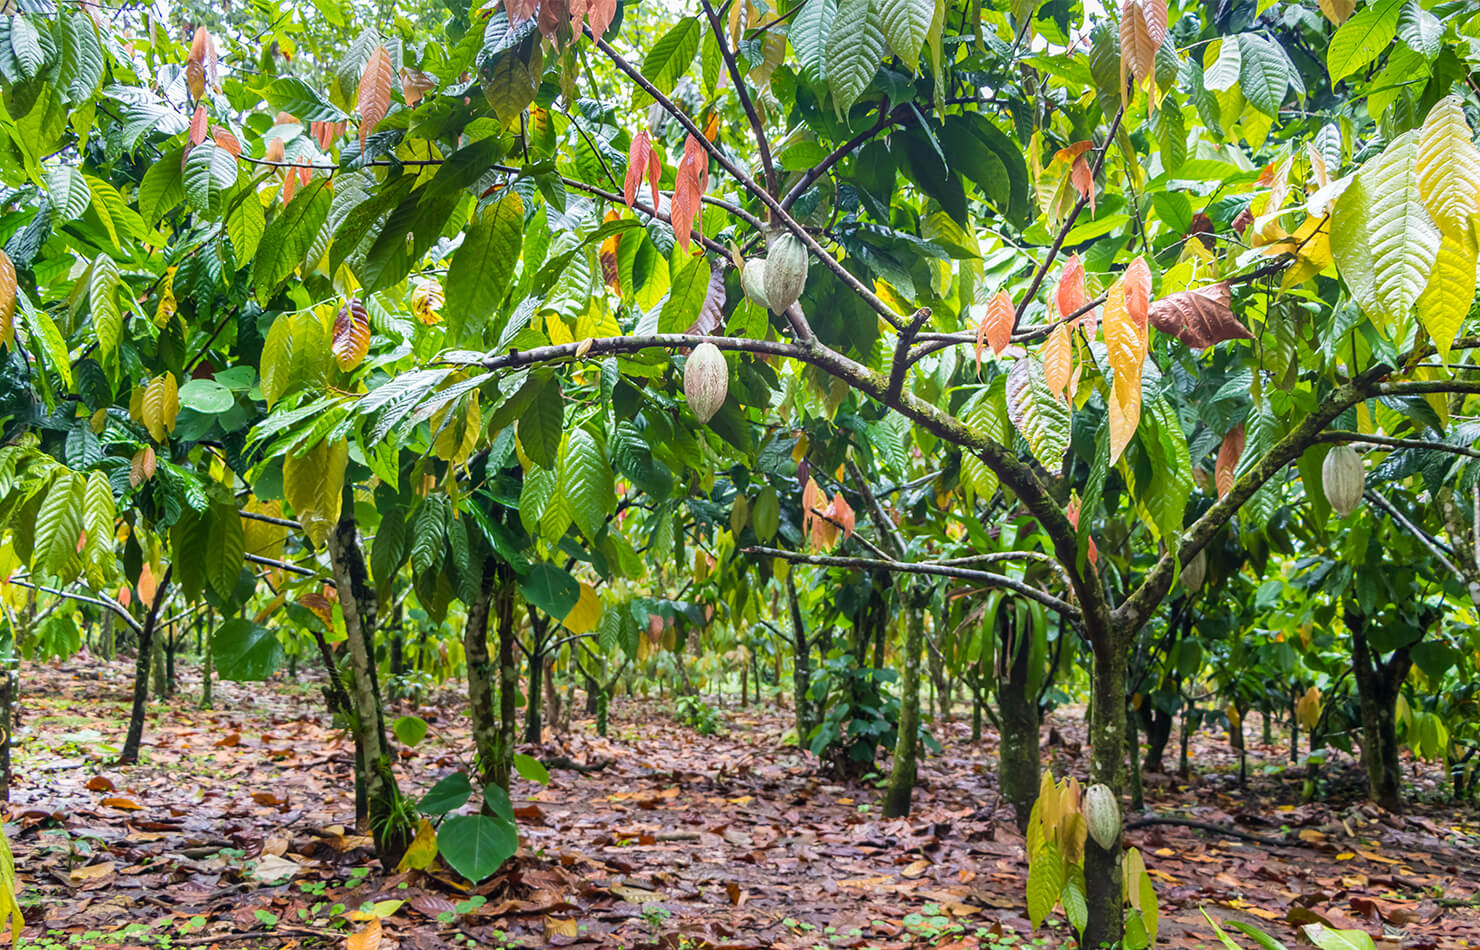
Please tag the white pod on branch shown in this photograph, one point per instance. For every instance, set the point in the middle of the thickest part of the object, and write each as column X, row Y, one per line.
column 706, row 380
column 1102, row 815
column 1343, row 478
column 786, row 271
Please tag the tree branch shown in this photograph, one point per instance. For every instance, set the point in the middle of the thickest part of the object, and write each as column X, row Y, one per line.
column 763, row 146
column 921, row 567
column 1342, row 436
column 106, row 603
column 1424, row 538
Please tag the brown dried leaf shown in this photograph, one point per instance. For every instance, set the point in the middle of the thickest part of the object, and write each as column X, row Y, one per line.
column 1201, row 317
column 711, row 313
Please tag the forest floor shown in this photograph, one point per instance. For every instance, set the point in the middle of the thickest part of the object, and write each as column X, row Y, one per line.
column 232, row 832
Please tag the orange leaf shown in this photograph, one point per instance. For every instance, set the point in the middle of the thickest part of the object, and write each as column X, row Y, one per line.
column 711, row 127
column 375, row 91
column 1058, row 360
column 1229, row 453
column 599, row 14
column 1070, row 293
column 415, row 84
column 123, row 804
column 9, row 290
column 145, row 584
column 198, row 125
column 226, row 140
column 1137, row 283
column 367, row 939
column 608, row 256
column 351, row 338
column 842, row 512
column 1083, row 180
column 1143, row 26
column 274, row 151
column 691, row 181
column 996, row 325
column 638, row 156
column 1123, row 348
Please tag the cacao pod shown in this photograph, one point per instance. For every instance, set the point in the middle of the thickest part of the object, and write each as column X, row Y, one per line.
column 1194, row 572
column 786, row 271
column 1343, row 477
column 753, row 281
column 706, row 380
column 1102, row 814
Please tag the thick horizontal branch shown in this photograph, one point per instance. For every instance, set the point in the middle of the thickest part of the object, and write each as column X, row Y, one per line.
column 1362, row 438
column 921, row 567
column 270, row 519
column 281, row 565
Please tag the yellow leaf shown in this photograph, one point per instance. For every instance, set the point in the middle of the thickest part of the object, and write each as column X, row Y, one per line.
column 367, row 939
column 1123, row 348
column 312, row 482
column 1337, row 11
column 587, row 611
column 1448, row 167
column 1446, row 301
column 423, row 849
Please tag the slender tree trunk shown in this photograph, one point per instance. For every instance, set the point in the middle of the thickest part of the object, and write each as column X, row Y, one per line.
column 1158, row 725
column 902, row 774
column 1184, row 764
column 130, row 753
column 1018, row 708
column 534, row 726
column 1378, row 687
column 157, row 663
column 508, row 676
column 109, row 637
column 1133, row 763
column 208, row 662
column 356, row 602
column 9, row 685
column 481, row 676
column 1107, row 765
column 801, row 663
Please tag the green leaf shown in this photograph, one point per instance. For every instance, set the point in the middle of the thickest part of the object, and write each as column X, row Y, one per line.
column 988, row 417
column 209, row 170
column 1045, row 882
column 59, row 523
column 410, row 730
column 1076, row 907
column 25, row 46
column 206, row 396
column 302, row 101
column 541, row 428
column 450, row 794
column 287, row 237
column 429, row 535
column 685, row 296
column 1165, row 492
column 808, row 34
column 99, row 514
column 162, row 187
column 669, row 58
column 483, row 267
column 102, row 299
column 1404, row 238
column 388, row 550
column 246, row 220
column 224, row 554
column 243, row 651
column 1264, row 73
column 1328, row 939
column 1363, row 38
column 1351, row 245
column 855, row 49
column 531, row 768
column 1037, row 414
column 551, row 589
column 586, row 482
column 1225, row 71
column 476, row 846
column 67, row 189
column 905, row 23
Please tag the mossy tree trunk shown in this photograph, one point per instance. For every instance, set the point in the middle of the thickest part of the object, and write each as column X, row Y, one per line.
column 1018, row 753
column 147, row 634
column 904, row 771
column 1379, row 684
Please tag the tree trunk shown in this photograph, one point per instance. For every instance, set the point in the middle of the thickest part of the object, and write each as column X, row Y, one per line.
column 801, row 663
column 109, row 637
column 356, row 602
column 480, row 676
column 1378, row 687
column 1158, row 725
column 1018, row 752
column 157, row 666
column 534, row 726
column 9, row 684
column 207, row 663
column 1133, row 763
column 903, row 772
column 508, row 676
column 130, row 753
column 1107, row 765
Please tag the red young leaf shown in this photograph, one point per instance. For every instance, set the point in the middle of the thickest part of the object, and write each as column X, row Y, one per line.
column 1070, row 293
column 1072, row 511
column 599, row 14
column 552, row 14
column 1083, row 180
column 640, row 158
column 375, row 91
column 8, row 292
column 688, row 190
column 226, row 140
column 1200, row 318
column 1137, row 284
column 351, row 340
column 199, row 122
column 996, row 325
column 1228, row 455
column 521, row 10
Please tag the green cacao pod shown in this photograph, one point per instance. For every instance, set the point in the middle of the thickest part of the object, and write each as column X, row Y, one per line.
column 786, row 270
column 1343, row 478
column 1102, row 815
column 1194, row 572
column 753, row 281
column 706, row 380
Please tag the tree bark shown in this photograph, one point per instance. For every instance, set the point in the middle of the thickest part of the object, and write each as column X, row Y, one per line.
column 903, row 772
column 508, row 676
column 1018, row 753
column 382, row 794
column 534, row 726
column 208, row 663
column 1378, row 687
column 158, row 667
column 130, row 753
column 1107, row 765
column 801, row 664
column 481, row 675
column 9, row 685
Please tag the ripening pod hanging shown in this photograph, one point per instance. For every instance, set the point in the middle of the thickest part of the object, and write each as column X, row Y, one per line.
column 706, row 381
column 753, row 281
column 1343, row 477
column 1102, row 815
column 786, row 270
column 1194, row 572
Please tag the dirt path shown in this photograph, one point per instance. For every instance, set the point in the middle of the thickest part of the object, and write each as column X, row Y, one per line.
column 232, row 833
